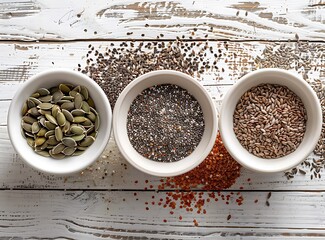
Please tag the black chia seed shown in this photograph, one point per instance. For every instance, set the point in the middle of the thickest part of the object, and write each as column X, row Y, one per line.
column 165, row 123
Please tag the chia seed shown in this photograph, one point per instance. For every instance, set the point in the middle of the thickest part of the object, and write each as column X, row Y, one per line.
column 165, row 123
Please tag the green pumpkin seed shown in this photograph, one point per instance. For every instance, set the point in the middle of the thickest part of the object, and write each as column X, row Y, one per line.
column 35, row 100
column 78, row 137
column 24, row 109
column 66, row 127
column 73, row 93
column 91, row 102
column 49, row 133
column 49, row 125
column 68, row 106
column 52, row 140
column 90, row 130
column 69, row 142
column 45, row 106
column 56, row 156
column 85, row 106
column 58, row 148
column 61, row 119
column 78, row 101
column 68, row 151
column 94, row 134
column 43, row 153
column 30, row 103
column 82, row 148
column 78, row 112
column 27, row 127
column 87, row 141
column 55, row 110
column 84, row 92
column 35, row 127
column 79, row 119
column 78, row 153
column 64, row 88
column 43, row 91
column 77, row 130
column 34, row 112
column 42, row 121
column 97, row 123
column 68, row 98
column 44, row 145
column 92, row 116
column 28, row 119
column 77, row 89
column 57, row 96
column 50, row 147
column 53, row 90
column 39, row 141
column 46, row 99
column 30, row 141
column 51, row 119
column 58, row 134
column 43, row 112
column 42, row 132
column 87, row 123
column 67, row 115
column 35, row 95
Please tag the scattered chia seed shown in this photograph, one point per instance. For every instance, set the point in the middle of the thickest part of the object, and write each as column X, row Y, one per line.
column 165, row 123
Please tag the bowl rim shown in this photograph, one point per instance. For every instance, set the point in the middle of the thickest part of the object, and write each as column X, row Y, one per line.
column 228, row 141
column 118, row 138
column 13, row 108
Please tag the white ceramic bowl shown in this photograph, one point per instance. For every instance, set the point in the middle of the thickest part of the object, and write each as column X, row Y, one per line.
column 67, row 165
column 313, row 129
column 120, row 119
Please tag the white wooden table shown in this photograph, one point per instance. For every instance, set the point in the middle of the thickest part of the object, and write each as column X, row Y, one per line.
column 38, row 35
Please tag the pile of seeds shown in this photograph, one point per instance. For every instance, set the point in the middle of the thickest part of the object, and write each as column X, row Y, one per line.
column 270, row 121
column 114, row 68
column 60, row 121
column 165, row 123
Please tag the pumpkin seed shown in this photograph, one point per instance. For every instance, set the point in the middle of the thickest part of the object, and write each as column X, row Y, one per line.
column 42, row 121
column 30, row 141
column 78, row 137
column 73, row 93
column 87, row 141
column 57, row 96
column 63, row 101
column 51, row 119
column 30, row 103
column 35, row 95
column 52, row 140
column 43, row 91
column 97, row 123
column 69, row 142
column 28, row 119
column 58, row 134
column 77, row 130
column 77, row 89
column 66, row 127
column 85, row 106
column 53, row 90
column 24, row 109
column 39, row 141
column 84, row 92
column 67, row 115
column 87, row 123
column 35, row 127
column 43, row 112
column 35, row 100
column 79, row 119
column 91, row 102
column 68, row 106
column 78, row 112
column 61, row 119
column 45, row 106
column 56, row 156
column 64, row 88
column 94, row 134
column 58, row 148
column 34, row 111
column 27, row 127
column 49, row 125
column 90, row 130
column 82, row 148
column 42, row 132
column 28, row 134
column 49, row 133
column 78, row 101
column 46, row 99
column 69, row 98
column 77, row 153
column 92, row 116
column 55, row 110
column 44, row 145
column 68, row 151
column 43, row 153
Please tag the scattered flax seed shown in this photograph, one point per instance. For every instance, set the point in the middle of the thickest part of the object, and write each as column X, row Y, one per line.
column 269, row 195
column 267, row 203
column 229, row 217
column 270, row 121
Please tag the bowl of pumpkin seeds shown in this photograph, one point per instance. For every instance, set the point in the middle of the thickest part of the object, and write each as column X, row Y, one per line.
column 59, row 121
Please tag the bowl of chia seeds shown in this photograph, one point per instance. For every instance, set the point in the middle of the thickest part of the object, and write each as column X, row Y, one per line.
column 59, row 121
column 270, row 120
column 165, row 123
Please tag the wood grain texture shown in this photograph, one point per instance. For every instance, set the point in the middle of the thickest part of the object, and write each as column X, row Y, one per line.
column 101, row 215
column 236, row 20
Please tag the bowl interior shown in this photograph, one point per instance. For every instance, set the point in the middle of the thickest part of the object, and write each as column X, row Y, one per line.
column 69, row 164
column 120, row 118
column 313, row 128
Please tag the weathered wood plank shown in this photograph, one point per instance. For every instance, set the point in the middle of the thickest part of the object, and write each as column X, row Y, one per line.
column 62, row 20
column 117, row 215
